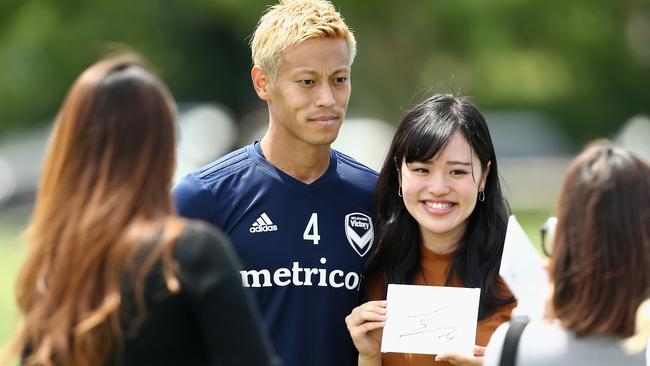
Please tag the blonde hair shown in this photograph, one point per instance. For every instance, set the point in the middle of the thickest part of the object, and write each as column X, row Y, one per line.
column 291, row 22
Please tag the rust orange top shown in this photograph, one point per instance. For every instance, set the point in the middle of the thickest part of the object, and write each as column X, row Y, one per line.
column 433, row 272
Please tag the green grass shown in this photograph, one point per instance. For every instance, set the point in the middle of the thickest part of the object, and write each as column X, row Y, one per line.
column 531, row 222
column 12, row 253
column 11, row 257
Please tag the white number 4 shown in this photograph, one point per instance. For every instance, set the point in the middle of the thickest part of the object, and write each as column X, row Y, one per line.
column 311, row 231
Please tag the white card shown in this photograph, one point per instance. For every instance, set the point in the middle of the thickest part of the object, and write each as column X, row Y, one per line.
column 523, row 271
column 430, row 319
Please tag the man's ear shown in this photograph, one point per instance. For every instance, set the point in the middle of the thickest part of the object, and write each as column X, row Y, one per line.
column 261, row 82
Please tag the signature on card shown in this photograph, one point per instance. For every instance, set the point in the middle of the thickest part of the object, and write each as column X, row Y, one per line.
column 424, row 323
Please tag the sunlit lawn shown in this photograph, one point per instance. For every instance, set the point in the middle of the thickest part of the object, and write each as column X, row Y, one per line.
column 532, row 222
column 12, row 253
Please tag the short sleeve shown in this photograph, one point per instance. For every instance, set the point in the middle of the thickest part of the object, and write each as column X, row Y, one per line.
column 193, row 200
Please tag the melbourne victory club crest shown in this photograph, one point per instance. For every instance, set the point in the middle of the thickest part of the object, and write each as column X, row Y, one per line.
column 359, row 231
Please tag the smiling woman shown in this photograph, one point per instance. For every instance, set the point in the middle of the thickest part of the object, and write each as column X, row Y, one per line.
column 441, row 221
column 442, row 192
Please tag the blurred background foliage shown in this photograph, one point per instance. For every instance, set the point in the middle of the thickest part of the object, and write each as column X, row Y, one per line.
column 584, row 63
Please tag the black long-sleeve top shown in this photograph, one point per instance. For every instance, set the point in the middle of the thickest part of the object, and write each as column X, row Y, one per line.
column 212, row 321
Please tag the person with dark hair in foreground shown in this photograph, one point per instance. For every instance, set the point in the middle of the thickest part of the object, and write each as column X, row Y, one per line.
column 112, row 276
column 441, row 221
column 599, row 266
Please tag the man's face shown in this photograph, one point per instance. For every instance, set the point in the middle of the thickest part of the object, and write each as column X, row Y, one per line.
column 309, row 97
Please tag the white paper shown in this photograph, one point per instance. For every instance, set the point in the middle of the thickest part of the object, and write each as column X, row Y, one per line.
column 523, row 271
column 430, row 319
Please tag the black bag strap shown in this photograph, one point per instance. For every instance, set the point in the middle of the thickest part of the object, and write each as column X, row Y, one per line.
column 511, row 341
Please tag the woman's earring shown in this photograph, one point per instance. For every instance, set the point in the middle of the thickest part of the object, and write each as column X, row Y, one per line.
column 399, row 191
column 481, row 195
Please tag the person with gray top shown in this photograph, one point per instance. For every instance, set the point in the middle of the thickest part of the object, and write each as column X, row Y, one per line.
column 599, row 268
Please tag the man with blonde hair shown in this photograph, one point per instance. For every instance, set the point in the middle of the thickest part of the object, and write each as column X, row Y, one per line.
column 297, row 211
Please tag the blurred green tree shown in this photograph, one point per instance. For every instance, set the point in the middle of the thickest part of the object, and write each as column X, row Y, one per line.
column 585, row 63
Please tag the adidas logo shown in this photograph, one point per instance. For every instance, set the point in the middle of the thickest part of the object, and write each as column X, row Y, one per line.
column 263, row 224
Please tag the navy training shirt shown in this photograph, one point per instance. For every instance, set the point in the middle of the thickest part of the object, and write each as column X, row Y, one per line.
column 303, row 246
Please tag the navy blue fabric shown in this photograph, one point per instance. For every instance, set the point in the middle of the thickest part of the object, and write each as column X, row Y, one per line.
column 304, row 288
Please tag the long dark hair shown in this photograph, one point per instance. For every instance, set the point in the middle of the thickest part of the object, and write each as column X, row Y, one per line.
column 601, row 252
column 103, row 196
column 423, row 132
